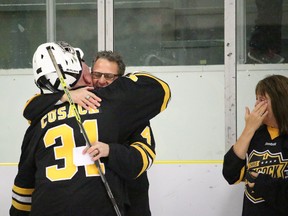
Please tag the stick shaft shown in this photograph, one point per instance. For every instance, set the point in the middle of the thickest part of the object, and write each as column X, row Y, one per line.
column 78, row 118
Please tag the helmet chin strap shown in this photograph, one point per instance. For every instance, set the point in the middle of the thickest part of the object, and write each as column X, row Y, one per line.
column 47, row 88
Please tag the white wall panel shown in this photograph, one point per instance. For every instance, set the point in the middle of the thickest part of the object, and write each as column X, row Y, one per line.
column 15, row 90
column 184, row 190
column 188, row 134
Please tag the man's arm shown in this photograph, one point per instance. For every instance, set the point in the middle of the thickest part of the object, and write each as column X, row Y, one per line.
column 41, row 104
column 131, row 160
column 137, row 98
column 128, row 160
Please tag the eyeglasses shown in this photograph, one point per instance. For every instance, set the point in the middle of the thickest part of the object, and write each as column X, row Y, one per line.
column 107, row 76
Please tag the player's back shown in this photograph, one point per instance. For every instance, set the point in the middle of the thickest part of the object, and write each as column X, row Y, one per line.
column 65, row 184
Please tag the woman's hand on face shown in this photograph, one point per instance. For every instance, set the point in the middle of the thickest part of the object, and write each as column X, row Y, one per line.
column 255, row 118
column 84, row 97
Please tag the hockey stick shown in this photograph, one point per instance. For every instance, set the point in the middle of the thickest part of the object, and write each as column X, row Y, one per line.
column 78, row 118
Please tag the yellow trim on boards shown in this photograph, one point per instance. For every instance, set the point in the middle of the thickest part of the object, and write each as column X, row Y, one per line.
column 188, row 162
column 159, row 162
column 8, row 164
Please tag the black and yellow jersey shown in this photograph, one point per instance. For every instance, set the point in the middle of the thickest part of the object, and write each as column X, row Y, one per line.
column 267, row 155
column 52, row 176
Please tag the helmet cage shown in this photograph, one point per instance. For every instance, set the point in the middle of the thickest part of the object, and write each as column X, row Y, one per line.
column 69, row 60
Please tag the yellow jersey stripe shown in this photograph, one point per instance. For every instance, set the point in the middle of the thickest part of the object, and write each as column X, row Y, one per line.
column 144, row 157
column 165, row 87
column 21, row 207
column 151, row 153
column 23, row 191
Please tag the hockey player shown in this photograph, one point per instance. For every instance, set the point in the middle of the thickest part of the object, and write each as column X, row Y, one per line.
column 111, row 66
column 52, row 170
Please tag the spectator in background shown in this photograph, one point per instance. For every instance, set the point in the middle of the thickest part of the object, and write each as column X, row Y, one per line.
column 265, row 41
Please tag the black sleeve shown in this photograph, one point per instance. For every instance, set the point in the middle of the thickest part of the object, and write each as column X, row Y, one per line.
column 233, row 167
column 149, row 94
column 132, row 159
column 24, row 181
column 39, row 105
column 274, row 191
column 138, row 98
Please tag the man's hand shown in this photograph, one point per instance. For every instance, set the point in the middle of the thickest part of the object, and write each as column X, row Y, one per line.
column 97, row 150
column 84, row 97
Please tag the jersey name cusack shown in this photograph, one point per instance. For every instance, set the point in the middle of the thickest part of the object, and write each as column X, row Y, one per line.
column 63, row 113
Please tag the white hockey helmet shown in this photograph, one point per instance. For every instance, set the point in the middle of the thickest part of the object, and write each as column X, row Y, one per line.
column 69, row 60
